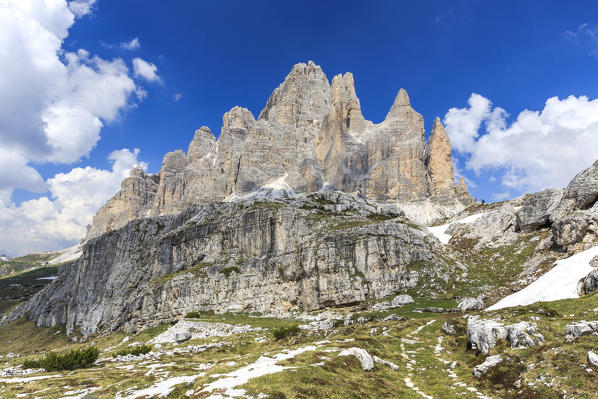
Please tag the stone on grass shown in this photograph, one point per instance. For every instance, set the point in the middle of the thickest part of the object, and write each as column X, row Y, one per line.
column 491, row 361
column 470, row 304
column 400, row 300
column 182, row 336
column 449, row 328
column 367, row 362
column 593, row 358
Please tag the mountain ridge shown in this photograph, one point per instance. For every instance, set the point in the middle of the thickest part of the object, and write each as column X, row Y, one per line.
column 313, row 133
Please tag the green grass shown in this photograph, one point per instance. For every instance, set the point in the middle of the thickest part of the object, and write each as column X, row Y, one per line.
column 227, row 271
column 135, row 351
column 285, row 332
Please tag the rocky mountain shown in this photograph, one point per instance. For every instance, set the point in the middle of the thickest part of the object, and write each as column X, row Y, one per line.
column 311, row 136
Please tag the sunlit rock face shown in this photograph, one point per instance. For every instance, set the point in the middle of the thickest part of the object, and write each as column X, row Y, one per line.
column 311, row 136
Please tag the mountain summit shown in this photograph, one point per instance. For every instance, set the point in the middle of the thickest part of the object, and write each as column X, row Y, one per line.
column 311, row 136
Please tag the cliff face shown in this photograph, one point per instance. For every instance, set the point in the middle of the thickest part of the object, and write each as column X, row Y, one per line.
column 306, row 252
column 313, row 136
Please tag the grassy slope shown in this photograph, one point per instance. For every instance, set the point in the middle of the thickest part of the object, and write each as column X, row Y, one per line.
column 321, row 373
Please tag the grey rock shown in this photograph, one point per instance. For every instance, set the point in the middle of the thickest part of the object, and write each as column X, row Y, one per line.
column 520, row 335
column 449, row 328
column 572, row 228
column 589, row 283
column 580, row 194
column 594, row 262
column 182, row 336
column 490, row 362
column 239, row 257
column 580, row 328
column 393, row 366
column 367, row 362
column 536, row 210
column 311, row 136
column 593, row 358
column 483, row 334
column 401, row 300
column 467, row 304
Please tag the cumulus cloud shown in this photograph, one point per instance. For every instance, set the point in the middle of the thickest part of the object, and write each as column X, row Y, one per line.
column 81, row 7
column 177, row 97
column 537, row 150
column 54, row 103
column 59, row 221
column 146, row 70
column 132, row 45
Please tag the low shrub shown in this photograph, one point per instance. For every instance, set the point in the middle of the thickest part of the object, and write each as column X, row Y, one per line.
column 135, row 351
column 193, row 315
column 285, row 332
column 71, row 360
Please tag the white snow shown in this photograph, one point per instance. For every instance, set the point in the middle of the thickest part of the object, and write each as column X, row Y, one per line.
column 262, row 366
column 46, row 278
column 440, row 231
column 561, row 282
column 276, row 188
column 160, row 389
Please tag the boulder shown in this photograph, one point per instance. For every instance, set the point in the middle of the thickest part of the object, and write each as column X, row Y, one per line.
column 393, row 366
column 593, row 358
column 580, row 328
column 536, row 209
column 367, row 362
column 589, row 283
column 182, row 336
column 400, row 300
column 491, row 361
column 470, row 304
column 483, row 334
column 449, row 328
column 581, row 193
column 520, row 334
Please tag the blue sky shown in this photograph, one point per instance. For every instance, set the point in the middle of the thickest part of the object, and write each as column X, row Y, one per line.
column 211, row 56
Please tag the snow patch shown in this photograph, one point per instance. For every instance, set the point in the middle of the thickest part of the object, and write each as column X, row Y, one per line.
column 276, row 188
column 160, row 389
column 440, row 231
column 560, row 282
column 262, row 366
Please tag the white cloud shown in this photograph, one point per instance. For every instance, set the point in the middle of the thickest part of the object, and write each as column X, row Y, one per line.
column 539, row 149
column 586, row 36
column 146, row 70
column 132, row 45
column 54, row 103
column 56, row 222
column 81, row 7
column 177, row 97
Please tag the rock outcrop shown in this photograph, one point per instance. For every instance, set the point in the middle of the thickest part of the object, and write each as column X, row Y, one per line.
column 306, row 252
column 311, row 136
column 482, row 335
column 439, row 161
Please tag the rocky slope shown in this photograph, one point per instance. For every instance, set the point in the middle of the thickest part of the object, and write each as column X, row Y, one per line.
column 311, row 136
column 305, row 252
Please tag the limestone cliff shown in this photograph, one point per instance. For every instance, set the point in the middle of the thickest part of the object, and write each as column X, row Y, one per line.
column 306, row 252
column 310, row 136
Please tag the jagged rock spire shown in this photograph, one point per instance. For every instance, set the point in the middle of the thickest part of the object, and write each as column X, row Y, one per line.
column 302, row 97
column 462, row 191
column 439, row 162
column 202, row 144
column 400, row 104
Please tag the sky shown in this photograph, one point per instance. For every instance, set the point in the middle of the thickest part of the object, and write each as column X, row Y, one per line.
column 91, row 88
